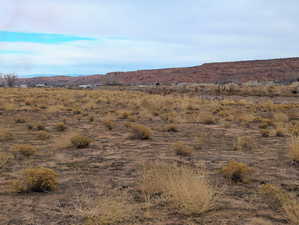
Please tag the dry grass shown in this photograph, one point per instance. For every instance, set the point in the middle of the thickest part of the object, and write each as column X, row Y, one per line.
column 107, row 209
column 244, row 143
column 4, row 158
column 185, row 189
column 237, row 172
column 182, row 149
column 80, row 141
column 63, row 141
column 43, row 135
column 25, row 150
column 5, row 135
column 60, row 127
column 36, row 180
column 294, row 149
column 140, row 131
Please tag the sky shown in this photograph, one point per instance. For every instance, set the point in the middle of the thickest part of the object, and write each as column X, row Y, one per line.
column 99, row 36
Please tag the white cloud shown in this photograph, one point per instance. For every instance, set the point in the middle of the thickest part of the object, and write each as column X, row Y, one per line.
column 155, row 33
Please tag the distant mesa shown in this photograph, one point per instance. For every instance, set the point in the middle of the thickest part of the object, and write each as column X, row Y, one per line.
column 286, row 69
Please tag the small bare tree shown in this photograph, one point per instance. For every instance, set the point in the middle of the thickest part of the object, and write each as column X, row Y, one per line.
column 10, row 79
column 1, row 80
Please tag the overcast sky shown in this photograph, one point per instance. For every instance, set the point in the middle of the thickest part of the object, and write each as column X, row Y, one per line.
column 99, row 36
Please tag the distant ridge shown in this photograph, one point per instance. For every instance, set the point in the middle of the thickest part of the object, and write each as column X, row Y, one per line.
column 241, row 71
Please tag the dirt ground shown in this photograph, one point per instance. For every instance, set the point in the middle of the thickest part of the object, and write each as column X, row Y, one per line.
column 113, row 162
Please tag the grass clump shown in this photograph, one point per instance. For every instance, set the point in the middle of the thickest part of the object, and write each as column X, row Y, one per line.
column 140, row 131
column 25, row 150
column 109, row 124
column 273, row 195
column 277, row 198
column 182, row 149
column 5, row 135
column 265, row 133
column 60, row 127
column 294, row 149
column 20, row 120
column 171, row 128
column 207, row 118
column 4, row 158
column 80, row 141
column 244, row 143
column 237, row 172
column 184, row 188
column 43, row 135
column 109, row 209
column 36, row 180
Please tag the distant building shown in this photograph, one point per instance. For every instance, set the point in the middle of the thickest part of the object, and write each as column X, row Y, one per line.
column 41, row 85
column 85, row 86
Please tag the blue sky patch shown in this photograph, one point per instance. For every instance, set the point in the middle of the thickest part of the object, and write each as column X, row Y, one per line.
column 42, row 38
column 14, row 52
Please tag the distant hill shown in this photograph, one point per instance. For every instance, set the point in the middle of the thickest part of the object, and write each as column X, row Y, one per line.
column 242, row 71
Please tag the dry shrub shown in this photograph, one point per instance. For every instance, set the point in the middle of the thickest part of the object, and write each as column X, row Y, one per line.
column 184, row 188
column 36, row 180
column 20, row 120
column 207, row 118
column 80, row 141
column 109, row 124
column 107, row 210
column 294, row 129
column 278, row 198
column 171, row 128
column 280, row 132
column 182, row 149
column 237, row 172
column 294, row 149
column 291, row 209
column 280, row 117
column 244, row 143
column 5, row 135
column 25, row 150
column 122, row 114
column 201, row 140
column 40, row 126
column 273, row 195
column 43, row 135
column 140, row 131
column 265, row 133
column 63, row 141
column 259, row 221
column 4, row 158
column 60, row 127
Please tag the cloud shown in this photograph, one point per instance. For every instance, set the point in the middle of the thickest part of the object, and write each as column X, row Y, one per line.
column 146, row 34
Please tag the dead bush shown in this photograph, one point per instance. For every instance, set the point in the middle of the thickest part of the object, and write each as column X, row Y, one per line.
column 5, row 135
column 140, row 131
column 80, row 141
column 182, row 149
column 294, row 149
column 244, row 143
column 60, row 127
column 184, row 188
column 36, row 180
column 237, row 172
column 25, row 150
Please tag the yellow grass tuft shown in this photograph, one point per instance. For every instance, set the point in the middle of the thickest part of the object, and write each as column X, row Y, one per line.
column 184, row 188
